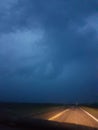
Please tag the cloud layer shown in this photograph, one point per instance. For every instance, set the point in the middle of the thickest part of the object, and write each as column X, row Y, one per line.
column 48, row 50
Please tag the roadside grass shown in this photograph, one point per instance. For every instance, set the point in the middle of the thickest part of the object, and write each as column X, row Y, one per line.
column 93, row 111
column 50, row 113
column 27, row 109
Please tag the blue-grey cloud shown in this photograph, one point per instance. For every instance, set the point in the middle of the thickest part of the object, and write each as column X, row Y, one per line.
column 49, row 50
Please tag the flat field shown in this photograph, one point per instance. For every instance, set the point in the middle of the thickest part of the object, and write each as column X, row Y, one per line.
column 27, row 109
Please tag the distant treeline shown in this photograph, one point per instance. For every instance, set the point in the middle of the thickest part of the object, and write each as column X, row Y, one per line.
column 46, row 104
column 95, row 105
column 29, row 104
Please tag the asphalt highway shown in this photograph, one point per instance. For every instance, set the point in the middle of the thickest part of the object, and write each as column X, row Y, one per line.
column 77, row 116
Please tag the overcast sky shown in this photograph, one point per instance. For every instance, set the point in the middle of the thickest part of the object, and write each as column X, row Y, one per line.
column 49, row 50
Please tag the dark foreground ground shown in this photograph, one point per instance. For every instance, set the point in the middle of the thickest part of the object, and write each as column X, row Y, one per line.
column 38, row 124
column 46, row 116
column 27, row 109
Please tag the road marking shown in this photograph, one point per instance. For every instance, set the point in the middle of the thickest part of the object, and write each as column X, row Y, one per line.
column 90, row 115
column 59, row 114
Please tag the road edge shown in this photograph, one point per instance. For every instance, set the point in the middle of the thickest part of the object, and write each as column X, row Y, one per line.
column 90, row 115
column 57, row 115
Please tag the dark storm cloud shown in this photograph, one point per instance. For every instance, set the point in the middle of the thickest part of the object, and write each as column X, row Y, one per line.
column 49, row 50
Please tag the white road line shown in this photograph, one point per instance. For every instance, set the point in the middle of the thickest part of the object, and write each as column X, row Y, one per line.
column 59, row 114
column 90, row 115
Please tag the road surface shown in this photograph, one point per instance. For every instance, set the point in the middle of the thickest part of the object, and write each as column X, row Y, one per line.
column 77, row 116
